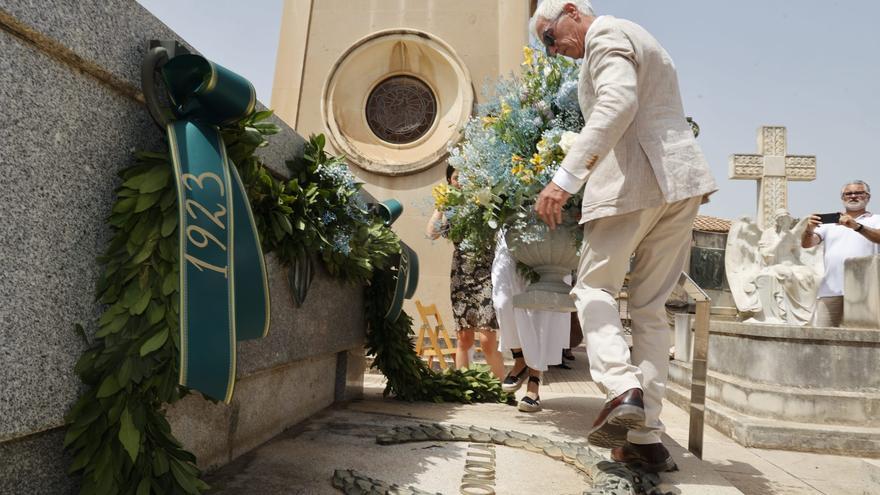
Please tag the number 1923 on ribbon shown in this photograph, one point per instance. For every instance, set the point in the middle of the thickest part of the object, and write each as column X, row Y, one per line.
column 200, row 239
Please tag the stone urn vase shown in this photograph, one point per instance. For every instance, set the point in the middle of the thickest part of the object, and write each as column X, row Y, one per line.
column 552, row 254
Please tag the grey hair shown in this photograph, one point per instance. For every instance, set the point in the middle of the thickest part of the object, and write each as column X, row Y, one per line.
column 550, row 9
column 859, row 182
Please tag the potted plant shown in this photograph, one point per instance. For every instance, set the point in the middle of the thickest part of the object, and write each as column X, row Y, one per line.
column 509, row 152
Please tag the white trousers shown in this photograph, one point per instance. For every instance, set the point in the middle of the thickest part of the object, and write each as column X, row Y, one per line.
column 659, row 238
column 540, row 334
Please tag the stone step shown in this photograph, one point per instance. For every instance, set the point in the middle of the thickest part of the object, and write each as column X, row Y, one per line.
column 781, row 434
column 798, row 404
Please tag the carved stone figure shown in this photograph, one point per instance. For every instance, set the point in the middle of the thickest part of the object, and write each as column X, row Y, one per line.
column 772, row 278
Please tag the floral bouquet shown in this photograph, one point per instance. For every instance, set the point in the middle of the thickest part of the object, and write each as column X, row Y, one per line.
column 511, row 150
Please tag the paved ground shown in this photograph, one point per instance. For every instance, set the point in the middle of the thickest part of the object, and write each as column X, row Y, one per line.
column 303, row 459
column 753, row 471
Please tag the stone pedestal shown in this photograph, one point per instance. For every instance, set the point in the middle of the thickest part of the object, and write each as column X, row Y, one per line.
column 790, row 387
column 861, row 289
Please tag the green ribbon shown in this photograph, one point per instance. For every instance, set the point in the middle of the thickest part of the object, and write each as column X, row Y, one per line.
column 405, row 267
column 224, row 295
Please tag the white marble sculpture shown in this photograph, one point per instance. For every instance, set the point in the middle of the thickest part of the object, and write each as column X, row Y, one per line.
column 771, row 276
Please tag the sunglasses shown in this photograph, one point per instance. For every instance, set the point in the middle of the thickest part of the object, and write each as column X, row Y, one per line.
column 854, row 194
column 548, row 38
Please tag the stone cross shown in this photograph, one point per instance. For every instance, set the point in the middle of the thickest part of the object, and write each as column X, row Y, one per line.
column 772, row 168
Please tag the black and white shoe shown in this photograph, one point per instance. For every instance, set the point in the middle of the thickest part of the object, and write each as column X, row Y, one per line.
column 512, row 382
column 531, row 402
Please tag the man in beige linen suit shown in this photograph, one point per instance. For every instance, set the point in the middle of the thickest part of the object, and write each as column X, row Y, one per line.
column 643, row 177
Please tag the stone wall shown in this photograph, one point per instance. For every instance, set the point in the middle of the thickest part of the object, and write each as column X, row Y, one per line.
column 487, row 36
column 861, row 301
column 72, row 116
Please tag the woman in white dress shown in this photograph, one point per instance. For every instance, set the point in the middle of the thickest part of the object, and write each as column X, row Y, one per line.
column 535, row 338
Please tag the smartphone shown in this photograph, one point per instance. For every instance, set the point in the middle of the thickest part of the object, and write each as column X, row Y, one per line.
column 830, row 217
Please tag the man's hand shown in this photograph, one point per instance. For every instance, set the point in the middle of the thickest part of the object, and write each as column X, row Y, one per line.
column 809, row 238
column 848, row 221
column 812, row 223
column 550, row 203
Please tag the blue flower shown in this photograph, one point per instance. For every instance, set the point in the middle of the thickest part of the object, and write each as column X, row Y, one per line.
column 496, row 155
column 339, row 175
column 342, row 242
column 328, row 217
column 567, row 97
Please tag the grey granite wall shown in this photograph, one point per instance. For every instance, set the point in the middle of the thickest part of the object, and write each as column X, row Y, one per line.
column 72, row 114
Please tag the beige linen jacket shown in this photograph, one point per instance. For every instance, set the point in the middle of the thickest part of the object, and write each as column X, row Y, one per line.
column 636, row 149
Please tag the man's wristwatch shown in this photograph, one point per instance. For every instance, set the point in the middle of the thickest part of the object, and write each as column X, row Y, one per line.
column 860, row 227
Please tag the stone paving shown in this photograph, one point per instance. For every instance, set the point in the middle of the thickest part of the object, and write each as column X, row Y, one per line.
column 379, row 445
column 338, row 452
column 605, row 477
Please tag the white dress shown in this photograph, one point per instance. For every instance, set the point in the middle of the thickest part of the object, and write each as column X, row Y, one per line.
column 540, row 334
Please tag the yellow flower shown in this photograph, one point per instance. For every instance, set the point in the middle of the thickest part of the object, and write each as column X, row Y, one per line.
column 505, row 109
column 537, row 160
column 518, row 164
column 488, row 121
column 527, row 55
column 542, row 145
column 441, row 195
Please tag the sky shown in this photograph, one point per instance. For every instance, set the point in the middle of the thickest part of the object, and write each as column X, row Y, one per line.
column 807, row 65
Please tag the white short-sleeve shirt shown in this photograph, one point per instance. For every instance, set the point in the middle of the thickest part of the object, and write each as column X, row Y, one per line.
column 842, row 243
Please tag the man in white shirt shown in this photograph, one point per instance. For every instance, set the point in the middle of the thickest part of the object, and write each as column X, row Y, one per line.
column 643, row 177
column 856, row 234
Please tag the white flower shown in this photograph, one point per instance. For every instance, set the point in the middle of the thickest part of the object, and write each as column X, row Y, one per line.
column 567, row 140
column 483, row 196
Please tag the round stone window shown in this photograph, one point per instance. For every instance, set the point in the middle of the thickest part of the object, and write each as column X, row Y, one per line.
column 395, row 101
column 401, row 109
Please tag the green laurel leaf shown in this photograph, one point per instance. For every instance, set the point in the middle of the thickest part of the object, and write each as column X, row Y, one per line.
column 129, row 436
column 155, row 342
column 154, row 180
column 108, row 387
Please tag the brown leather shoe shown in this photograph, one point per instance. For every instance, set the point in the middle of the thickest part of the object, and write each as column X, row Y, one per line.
column 621, row 414
column 652, row 457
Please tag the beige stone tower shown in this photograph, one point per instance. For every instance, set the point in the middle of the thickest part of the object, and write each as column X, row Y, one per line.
column 391, row 82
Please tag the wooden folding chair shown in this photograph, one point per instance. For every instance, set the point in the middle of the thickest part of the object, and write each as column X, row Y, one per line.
column 434, row 334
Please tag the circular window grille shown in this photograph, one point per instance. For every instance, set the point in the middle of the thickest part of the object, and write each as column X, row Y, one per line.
column 401, row 109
